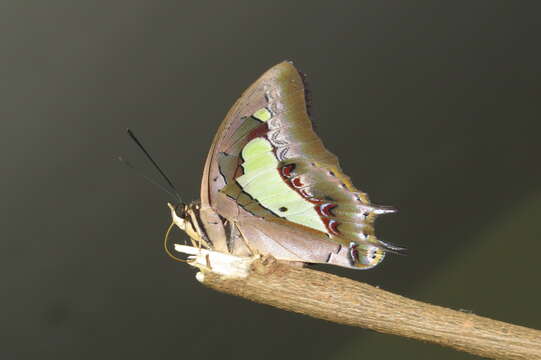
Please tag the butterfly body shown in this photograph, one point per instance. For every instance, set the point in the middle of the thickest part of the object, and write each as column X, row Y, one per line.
column 271, row 187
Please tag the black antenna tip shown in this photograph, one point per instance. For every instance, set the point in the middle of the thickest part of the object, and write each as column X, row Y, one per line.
column 156, row 166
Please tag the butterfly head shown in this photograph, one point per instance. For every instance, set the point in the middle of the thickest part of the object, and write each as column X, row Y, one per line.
column 185, row 217
column 180, row 209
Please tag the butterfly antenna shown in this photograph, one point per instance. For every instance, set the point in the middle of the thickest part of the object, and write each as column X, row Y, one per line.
column 174, row 192
column 147, row 178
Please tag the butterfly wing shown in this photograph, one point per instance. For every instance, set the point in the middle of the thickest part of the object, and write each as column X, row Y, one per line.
column 214, row 202
column 270, row 174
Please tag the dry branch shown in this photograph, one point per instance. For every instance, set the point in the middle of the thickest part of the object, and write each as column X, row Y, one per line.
column 344, row 301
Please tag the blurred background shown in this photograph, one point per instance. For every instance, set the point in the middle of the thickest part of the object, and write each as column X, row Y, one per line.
column 432, row 107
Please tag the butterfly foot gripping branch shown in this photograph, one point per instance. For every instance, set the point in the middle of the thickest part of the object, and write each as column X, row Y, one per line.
column 207, row 260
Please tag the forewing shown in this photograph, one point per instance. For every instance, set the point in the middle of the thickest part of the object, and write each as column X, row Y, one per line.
column 266, row 161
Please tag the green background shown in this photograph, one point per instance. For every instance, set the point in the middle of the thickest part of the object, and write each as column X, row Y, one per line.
column 432, row 107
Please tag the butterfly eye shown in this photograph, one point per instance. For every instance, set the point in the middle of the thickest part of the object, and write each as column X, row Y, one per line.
column 283, row 209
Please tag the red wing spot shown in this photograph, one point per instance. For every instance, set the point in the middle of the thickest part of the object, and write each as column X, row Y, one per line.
column 332, row 225
column 325, row 209
column 304, row 193
column 297, row 182
column 287, row 170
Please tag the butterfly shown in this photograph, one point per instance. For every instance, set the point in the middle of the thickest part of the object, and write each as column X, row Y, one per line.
column 271, row 187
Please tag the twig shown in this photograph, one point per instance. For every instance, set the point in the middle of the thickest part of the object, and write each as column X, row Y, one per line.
column 348, row 302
